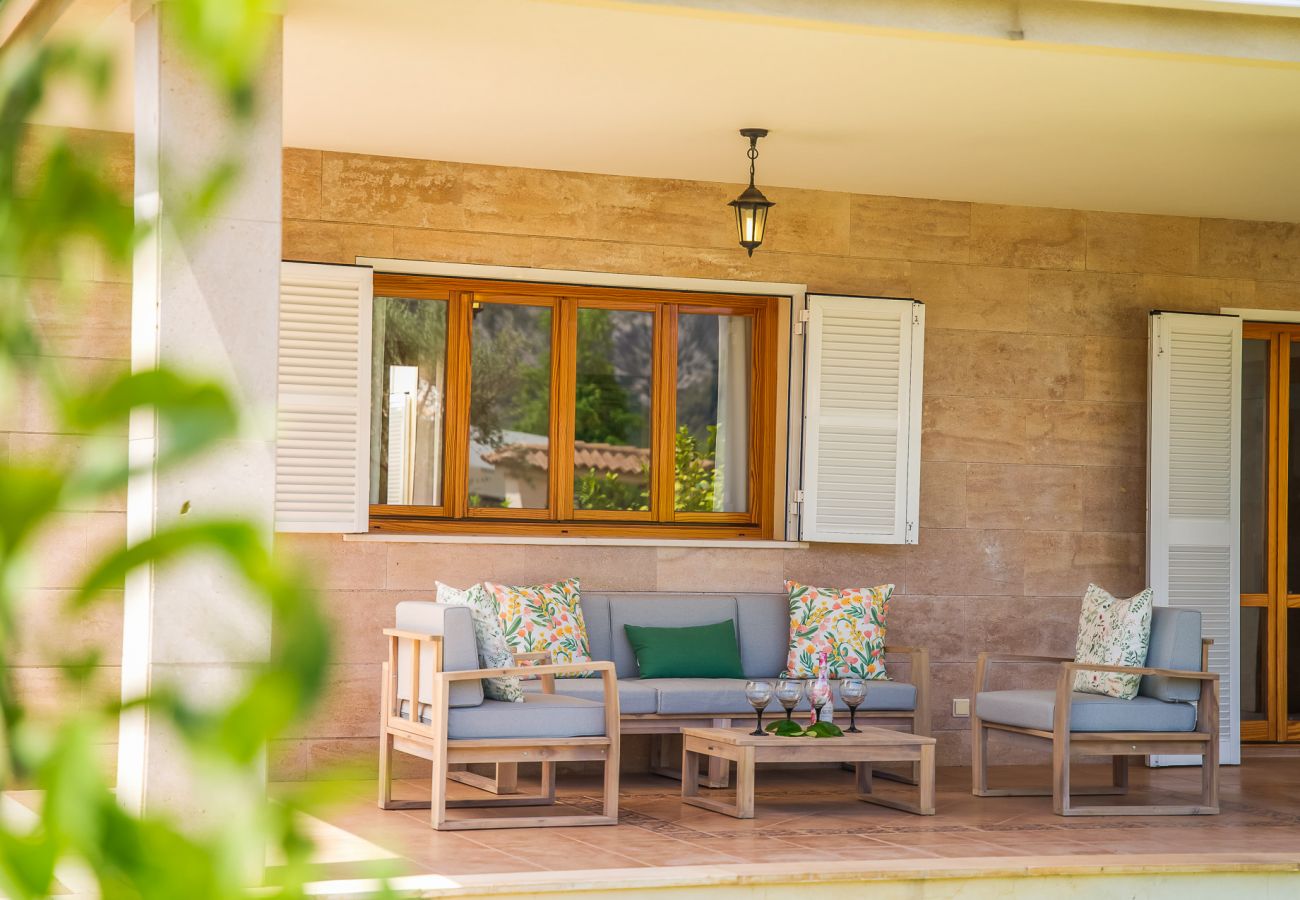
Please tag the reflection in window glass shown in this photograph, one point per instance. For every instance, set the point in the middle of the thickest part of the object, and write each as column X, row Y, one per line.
column 713, row 391
column 1254, row 466
column 1254, row 663
column 611, row 454
column 510, row 406
column 408, row 403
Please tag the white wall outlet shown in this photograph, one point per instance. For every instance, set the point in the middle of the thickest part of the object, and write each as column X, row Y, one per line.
column 961, row 707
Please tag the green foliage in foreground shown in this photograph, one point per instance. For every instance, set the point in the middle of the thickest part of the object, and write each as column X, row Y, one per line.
column 58, row 205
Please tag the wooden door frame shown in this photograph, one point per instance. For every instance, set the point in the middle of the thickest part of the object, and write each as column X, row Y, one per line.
column 1278, row 600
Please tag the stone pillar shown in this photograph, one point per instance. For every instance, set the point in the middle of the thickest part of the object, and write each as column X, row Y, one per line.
column 204, row 299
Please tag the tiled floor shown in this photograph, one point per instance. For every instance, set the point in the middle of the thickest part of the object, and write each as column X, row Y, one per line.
column 809, row 817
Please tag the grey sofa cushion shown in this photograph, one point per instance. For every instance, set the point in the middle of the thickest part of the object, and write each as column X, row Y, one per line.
column 539, row 716
column 459, row 650
column 635, row 697
column 595, row 614
column 1175, row 644
column 661, row 610
column 763, row 624
column 1088, row 712
column 726, row 696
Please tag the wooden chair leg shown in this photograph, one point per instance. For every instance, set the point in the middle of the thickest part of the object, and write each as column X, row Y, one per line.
column 1061, row 773
column 979, row 747
column 611, row 782
column 385, row 769
column 1210, row 777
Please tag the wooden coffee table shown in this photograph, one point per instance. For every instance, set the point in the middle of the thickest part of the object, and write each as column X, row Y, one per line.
column 873, row 745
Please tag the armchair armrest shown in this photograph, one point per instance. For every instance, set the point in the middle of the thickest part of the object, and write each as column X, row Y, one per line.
column 542, row 656
column 604, row 667
column 990, row 656
column 1141, row 670
column 987, row 656
column 410, row 635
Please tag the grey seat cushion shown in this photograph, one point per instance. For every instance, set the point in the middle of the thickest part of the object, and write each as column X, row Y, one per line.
column 595, row 615
column 1175, row 644
column 726, row 696
column 763, row 625
column 539, row 716
column 1088, row 712
column 661, row 610
column 635, row 697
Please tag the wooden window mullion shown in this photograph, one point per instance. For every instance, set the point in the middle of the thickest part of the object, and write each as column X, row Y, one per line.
column 564, row 374
column 663, row 415
column 455, row 454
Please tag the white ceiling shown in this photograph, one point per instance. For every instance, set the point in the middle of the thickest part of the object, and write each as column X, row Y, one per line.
column 647, row 91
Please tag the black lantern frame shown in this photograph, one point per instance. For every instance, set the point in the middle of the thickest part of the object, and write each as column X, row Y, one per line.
column 751, row 206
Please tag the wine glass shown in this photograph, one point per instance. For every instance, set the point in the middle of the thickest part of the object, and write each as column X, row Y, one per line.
column 819, row 694
column 759, row 695
column 853, row 691
column 789, row 691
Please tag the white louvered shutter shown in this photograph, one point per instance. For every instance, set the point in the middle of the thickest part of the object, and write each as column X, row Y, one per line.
column 862, row 420
column 322, row 456
column 1194, row 428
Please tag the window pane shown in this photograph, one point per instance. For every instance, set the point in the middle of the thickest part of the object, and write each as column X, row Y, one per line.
column 1293, row 482
column 510, row 406
column 1254, row 466
column 1293, row 664
column 408, row 401
column 713, row 370
column 611, row 454
column 1254, row 663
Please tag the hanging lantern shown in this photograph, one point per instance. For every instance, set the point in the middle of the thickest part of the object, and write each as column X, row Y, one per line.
column 751, row 206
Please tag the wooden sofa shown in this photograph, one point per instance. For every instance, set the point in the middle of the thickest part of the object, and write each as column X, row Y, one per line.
column 662, row 707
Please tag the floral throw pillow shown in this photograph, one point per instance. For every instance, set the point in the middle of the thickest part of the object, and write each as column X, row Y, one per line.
column 544, row 618
column 493, row 651
column 848, row 624
column 1112, row 632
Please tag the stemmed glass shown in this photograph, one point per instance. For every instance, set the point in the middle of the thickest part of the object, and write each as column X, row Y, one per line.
column 759, row 695
column 819, row 694
column 853, row 691
column 789, row 691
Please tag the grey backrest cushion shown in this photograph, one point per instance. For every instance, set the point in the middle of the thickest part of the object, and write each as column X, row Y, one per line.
column 595, row 615
column 459, row 650
column 661, row 610
column 764, row 625
column 1175, row 644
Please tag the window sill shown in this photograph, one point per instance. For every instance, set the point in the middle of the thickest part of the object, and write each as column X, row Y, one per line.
column 737, row 544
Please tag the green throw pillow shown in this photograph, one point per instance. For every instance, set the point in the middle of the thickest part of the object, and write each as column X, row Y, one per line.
column 698, row 651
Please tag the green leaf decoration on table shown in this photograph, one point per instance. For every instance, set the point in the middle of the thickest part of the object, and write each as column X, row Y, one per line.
column 790, row 728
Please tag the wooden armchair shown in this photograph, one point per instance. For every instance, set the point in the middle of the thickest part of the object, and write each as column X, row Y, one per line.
column 1160, row 720
column 434, row 708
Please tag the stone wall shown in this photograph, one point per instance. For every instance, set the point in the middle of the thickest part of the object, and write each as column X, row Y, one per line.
column 1033, row 452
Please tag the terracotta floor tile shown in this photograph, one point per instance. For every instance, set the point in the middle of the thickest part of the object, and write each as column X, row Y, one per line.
column 811, row 817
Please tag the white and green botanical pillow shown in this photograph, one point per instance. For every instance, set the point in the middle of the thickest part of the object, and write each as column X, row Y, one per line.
column 1112, row 632
column 493, row 651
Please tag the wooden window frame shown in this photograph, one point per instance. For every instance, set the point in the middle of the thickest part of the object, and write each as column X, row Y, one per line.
column 559, row 518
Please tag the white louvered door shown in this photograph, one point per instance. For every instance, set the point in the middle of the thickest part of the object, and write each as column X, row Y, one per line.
column 862, row 420
column 1194, row 428
column 322, row 459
